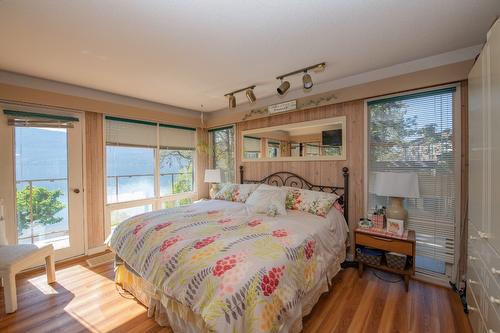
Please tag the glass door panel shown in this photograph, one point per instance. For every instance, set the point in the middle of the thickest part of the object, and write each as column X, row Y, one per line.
column 48, row 201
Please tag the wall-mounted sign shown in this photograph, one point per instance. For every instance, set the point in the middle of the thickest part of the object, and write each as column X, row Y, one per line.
column 282, row 107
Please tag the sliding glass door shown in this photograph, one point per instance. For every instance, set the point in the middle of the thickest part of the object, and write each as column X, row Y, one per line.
column 49, row 196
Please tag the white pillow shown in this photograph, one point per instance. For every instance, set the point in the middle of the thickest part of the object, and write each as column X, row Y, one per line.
column 268, row 200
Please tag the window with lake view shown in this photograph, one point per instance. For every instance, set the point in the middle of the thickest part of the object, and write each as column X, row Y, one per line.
column 148, row 163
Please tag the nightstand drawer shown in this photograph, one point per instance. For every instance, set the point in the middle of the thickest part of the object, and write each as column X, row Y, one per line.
column 385, row 244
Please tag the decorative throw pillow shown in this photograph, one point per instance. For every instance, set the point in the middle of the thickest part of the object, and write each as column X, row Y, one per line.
column 314, row 202
column 235, row 192
column 268, row 200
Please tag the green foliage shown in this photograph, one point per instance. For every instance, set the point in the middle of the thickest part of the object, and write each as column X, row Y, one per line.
column 223, row 152
column 179, row 161
column 390, row 128
column 45, row 206
column 183, row 182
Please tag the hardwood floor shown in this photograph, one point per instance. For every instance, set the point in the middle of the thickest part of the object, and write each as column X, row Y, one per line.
column 86, row 300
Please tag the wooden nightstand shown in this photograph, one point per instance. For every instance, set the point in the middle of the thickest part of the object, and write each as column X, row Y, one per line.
column 387, row 243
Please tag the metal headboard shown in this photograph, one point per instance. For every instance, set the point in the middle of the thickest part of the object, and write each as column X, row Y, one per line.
column 285, row 178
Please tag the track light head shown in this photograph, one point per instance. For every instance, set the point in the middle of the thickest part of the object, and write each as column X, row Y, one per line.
column 232, row 101
column 250, row 95
column 307, row 81
column 283, row 88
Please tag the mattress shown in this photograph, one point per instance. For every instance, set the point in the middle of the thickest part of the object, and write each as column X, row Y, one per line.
column 215, row 266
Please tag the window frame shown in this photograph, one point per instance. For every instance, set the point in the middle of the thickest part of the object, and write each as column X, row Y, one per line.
column 211, row 161
column 157, row 200
column 457, row 138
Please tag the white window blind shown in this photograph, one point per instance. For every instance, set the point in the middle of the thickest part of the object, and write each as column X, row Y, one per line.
column 415, row 133
column 251, row 144
column 177, row 137
column 130, row 132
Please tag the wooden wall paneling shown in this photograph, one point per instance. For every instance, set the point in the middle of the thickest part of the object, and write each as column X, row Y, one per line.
column 318, row 172
column 94, row 182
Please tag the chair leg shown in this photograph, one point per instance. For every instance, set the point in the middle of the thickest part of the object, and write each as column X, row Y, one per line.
column 9, row 292
column 51, row 269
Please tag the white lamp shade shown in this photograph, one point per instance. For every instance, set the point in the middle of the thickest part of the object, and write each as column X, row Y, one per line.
column 212, row 176
column 395, row 184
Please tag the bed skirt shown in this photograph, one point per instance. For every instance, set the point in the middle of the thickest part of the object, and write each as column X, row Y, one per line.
column 168, row 312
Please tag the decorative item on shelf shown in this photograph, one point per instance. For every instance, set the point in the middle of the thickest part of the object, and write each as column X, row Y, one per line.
column 397, row 186
column 378, row 218
column 395, row 226
column 213, row 176
column 365, row 223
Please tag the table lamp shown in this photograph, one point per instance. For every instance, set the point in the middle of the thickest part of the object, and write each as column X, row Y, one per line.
column 397, row 186
column 212, row 176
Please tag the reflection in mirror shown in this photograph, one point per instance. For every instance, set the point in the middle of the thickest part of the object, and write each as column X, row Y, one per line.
column 313, row 140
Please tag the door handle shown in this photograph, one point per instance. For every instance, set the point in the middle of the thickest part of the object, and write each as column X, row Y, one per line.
column 76, row 190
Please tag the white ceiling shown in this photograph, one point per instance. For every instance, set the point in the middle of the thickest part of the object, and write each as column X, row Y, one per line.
column 190, row 53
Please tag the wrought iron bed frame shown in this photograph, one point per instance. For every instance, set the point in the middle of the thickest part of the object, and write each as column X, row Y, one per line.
column 285, row 178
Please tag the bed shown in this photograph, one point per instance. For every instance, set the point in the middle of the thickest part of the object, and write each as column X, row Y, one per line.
column 216, row 266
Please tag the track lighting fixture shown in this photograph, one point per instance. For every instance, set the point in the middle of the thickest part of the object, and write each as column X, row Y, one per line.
column 250, row 95
column 232, row 101
column 248, row 91
column 283, row 88
column 306, row 79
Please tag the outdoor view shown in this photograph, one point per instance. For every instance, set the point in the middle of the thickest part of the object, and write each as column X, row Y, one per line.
column 130, row 176
column 42, row 186
column 223, row 153
column 416, row 135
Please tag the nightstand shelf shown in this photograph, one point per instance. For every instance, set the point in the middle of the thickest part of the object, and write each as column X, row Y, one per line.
column 387, row 243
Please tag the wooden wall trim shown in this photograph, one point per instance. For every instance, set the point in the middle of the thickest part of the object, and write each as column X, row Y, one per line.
column 94, row 180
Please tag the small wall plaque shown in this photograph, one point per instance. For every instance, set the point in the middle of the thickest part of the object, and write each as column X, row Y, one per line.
column 282, row 107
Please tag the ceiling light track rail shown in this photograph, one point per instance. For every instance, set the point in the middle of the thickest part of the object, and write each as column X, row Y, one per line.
column 239, row 90
column 302, row 70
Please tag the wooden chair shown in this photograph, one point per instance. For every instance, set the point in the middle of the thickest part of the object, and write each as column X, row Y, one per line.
column 15, row 258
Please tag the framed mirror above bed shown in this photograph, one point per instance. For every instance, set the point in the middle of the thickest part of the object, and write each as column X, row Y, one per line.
column 316, row 140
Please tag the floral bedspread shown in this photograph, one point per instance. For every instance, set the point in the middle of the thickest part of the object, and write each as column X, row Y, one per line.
column 241, row 273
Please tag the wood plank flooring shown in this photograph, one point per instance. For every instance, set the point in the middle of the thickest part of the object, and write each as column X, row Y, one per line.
column 86, row 300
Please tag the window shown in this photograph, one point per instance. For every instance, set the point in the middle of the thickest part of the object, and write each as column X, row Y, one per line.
column 149, row 166
column 177, row 151
column 251, row 147
column 273, row 149
column 130, row 160
column 222, row 150
column 416, row 133
column 42, row 185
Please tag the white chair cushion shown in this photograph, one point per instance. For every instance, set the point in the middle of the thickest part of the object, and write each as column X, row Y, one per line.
column 11, row 254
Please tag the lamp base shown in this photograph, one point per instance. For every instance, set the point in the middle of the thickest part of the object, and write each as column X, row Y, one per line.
column 396, row 210
column 213, row 190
